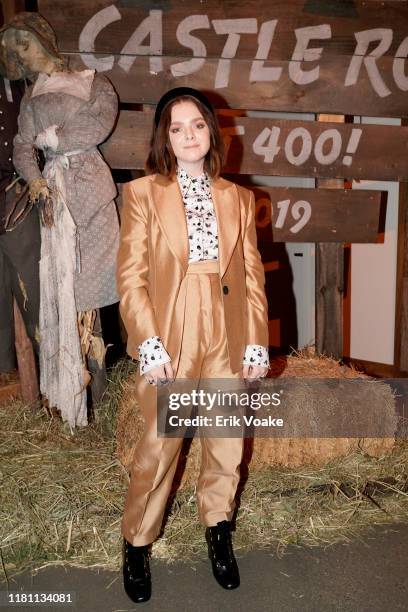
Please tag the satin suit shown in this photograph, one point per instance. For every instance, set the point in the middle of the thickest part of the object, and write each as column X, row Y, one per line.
column 205, row 314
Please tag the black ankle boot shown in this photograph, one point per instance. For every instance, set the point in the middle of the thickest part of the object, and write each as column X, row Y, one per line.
column 224, row 565
column 136, row 572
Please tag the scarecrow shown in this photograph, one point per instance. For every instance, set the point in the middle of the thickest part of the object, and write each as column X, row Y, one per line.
column 64, row 116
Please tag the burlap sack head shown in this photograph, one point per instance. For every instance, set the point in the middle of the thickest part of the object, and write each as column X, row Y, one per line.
column 11, row 65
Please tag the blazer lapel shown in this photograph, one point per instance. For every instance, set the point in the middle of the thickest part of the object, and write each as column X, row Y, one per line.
column 226, row 205
column 169, row 207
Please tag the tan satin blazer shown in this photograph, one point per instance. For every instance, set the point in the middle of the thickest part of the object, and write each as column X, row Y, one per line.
column 153, row 259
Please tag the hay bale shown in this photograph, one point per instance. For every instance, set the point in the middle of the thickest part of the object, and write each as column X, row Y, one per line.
column 63, row 493
column 129, row 424
column 260, row 452
column 293, row 452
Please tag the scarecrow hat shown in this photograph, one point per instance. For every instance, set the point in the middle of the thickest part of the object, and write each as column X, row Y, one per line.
column 35, row 24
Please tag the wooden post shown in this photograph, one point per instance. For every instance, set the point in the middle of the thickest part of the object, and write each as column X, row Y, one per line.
column 401, row 298
column 25, row 359
column 11, row 8
column 329, row 281
column 98, row 372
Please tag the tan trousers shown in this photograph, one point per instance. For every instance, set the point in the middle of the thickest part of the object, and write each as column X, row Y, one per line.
column 204, row 355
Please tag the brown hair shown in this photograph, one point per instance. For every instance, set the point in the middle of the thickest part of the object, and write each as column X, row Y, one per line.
column 161, row 158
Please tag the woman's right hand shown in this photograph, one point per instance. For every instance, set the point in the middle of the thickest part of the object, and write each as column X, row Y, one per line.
column 162, row 374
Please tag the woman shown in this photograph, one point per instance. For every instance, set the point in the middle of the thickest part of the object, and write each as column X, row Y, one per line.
column 191, row 284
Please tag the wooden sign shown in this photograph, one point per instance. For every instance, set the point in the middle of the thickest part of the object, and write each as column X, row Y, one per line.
column 281, row 147
column 317, row 215
column 312, row 215
column 320, row 56
column 109, row 25
column 307, row 55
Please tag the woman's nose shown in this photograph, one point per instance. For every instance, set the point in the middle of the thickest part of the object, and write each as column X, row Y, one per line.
column 188, row 133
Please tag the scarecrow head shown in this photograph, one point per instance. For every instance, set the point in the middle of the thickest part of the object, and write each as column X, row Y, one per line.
column 28, row 46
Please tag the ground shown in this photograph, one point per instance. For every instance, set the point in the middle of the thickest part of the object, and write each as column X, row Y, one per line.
column 368, row 574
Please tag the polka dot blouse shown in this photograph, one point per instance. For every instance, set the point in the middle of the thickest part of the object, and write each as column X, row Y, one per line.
column 200, row 215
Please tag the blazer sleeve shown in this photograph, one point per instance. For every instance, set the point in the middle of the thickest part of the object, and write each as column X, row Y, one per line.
column 257, row 308
column 133, row 273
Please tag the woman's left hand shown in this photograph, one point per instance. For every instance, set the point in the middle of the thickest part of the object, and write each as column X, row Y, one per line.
column 254, row 372
column 160, row 375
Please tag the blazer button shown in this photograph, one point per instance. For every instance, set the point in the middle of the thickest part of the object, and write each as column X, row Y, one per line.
column 225, row 290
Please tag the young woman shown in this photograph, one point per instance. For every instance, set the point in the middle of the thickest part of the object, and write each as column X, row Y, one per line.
column 191, row 284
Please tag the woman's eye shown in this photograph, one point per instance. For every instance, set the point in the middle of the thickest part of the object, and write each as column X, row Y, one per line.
column 201, row 125
column 174, row 130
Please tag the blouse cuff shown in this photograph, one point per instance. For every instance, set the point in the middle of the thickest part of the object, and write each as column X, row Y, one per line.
column 151, row 354
column 257, row 355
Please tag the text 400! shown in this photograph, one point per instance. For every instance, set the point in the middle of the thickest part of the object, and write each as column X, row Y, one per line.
column 326, row 149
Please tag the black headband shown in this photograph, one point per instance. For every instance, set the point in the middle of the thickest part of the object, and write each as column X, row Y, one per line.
column 178, row 92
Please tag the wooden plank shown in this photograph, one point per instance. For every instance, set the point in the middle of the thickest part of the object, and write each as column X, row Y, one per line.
column 129, row 144
column 109, row 25
column 146, row 49
column 8, row 392
column 283, row 214
column 145, row 80
column 11, row 7
column 347, row 253
column 329, row 296
column 329, row 283
column 99, row 380
column 25, row 359
column 401, row 296
column 376, row 369
column 316, row 215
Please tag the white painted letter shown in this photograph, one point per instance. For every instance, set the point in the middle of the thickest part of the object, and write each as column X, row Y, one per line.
column 87, row 37
column 328, row 158
column 267, row 150
column 194, row 22
column 306, row 147
column 384, row 35
column 302, row 54
column 232, row 27
column 283, row 207
column 151, row 26
column 258, row 70
column 398, row 66
column 301, row 219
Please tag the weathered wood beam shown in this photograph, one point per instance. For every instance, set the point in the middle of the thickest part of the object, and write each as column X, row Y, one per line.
column 401, row 295
column 142, row 83
column 25, row 359
column 281, row 147
column 329, row 282
column 113, row 28
column 11, row 7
